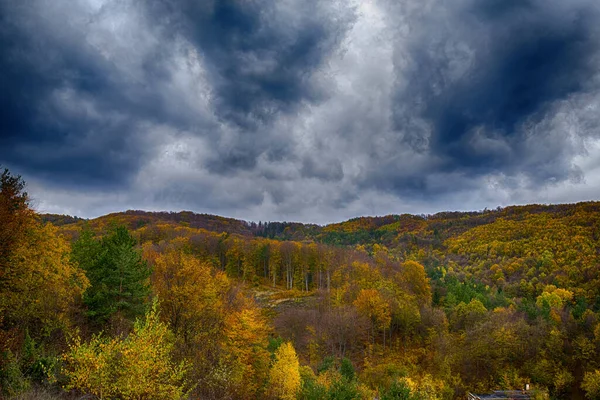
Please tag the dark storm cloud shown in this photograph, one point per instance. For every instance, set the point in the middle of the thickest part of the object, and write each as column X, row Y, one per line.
column 261, row 54
column 530, row 65
column 260, row 57
column 483, row 73
column 78, row 97
column 50, row 74
column 242, row 149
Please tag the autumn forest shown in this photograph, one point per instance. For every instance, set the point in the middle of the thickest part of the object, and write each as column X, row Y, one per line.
column 178, row 305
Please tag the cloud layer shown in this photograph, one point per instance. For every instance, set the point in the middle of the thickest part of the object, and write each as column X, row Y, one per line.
column 315, row 111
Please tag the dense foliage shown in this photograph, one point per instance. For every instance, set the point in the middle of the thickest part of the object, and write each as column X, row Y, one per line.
column 394, row 307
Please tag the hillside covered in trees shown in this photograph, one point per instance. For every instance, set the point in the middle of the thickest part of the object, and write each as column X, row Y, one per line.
column 141, row 305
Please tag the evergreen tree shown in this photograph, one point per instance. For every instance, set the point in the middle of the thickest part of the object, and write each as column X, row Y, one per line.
column 117, row 274
column 347, row 370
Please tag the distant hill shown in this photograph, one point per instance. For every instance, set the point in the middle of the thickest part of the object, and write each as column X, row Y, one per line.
column 134, row 219
column 389, row 229
column 60, row 219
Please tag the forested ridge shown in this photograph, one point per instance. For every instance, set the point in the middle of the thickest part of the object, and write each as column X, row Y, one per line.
column 165, row 305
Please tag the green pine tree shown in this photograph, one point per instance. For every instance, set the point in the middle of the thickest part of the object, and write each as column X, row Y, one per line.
column 117, row 274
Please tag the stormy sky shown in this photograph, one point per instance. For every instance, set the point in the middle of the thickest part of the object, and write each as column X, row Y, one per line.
column 312, row 110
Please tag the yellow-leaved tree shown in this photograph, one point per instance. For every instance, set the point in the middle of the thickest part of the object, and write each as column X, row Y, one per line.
column 245, row 348
column 415, row 279
column 284, row 377
column 591, row 385
column 372, row 305
column 191, row 294
column 191, row 304
column 217, row 327
column 136, row 367
column 41, row 285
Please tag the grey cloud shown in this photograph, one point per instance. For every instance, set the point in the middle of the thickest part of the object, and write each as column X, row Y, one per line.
column 185, row 195
column 323, row 169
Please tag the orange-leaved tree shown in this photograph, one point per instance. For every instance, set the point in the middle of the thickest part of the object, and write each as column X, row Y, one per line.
column 38, row 283
column 43, row 285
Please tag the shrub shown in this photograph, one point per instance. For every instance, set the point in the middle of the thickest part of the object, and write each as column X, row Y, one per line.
column 136, row 367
